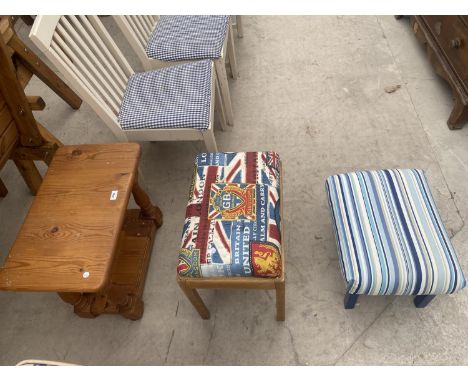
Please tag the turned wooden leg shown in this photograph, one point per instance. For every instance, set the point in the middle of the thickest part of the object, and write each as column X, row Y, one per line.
column 30, row 174
column 458, row 116
column 82, row 303
column 280, row 287
column 196, row 301
column 148, row 210
column 350, row 300
column 423, row 300
column 3, row 189
column 134, row 308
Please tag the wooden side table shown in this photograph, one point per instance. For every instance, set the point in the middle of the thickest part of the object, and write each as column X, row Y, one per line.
column 80, row 240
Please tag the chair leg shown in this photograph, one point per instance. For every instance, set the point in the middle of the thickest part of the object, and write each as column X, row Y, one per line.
column 30, row 174
column 232, row 54
column 3, row 189
column 423, row 300
column 219, row 108
column 209, row 139
column 240, row 30
column 350, row 300
column 280, row 287
column 224, row 87
column 196, row 301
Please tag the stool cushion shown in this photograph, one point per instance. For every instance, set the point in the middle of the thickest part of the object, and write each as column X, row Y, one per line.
column 391, row 240
column 178, row 38
column 232, row 222
column 174, row 97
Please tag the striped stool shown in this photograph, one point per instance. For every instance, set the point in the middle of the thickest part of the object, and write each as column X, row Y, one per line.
column 390, row 238
column 232, row 232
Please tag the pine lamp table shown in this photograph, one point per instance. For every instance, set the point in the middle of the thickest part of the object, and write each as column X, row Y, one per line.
column 80, row 240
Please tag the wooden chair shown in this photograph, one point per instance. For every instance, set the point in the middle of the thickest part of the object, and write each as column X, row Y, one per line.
column 87, row 56
column 138, row 31
column 22, row 138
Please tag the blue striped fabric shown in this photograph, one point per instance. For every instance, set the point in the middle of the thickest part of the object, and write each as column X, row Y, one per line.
column 390, row 237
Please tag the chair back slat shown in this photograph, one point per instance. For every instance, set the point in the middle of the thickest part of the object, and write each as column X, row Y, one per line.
column 93, row 67
column 84, row 52
column 142, row 35
column 137, row 30
column 117, row 76
column 146, row 25
column 139, row 37
column 79, row 64
column 111, row 45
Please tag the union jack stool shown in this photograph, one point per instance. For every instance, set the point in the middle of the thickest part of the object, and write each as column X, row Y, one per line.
column 391, row 240
column 232, row 231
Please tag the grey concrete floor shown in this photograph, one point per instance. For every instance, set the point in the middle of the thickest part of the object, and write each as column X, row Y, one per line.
column 311, row 88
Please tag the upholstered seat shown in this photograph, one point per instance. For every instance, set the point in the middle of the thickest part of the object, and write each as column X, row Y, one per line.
column 173, row 97
column 391, row 240
column 178, row 38
column 232, row 223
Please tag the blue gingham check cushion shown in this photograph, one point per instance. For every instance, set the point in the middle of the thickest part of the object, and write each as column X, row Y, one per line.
column 178, row 38
column 174, row 97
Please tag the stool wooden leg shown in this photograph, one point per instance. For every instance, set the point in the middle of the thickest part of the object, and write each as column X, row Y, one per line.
column 30, row 174
column 196, row 301
column 280, row 287
column 350, row 300
column 423, row 300
column 148, row 210
column 3, row 189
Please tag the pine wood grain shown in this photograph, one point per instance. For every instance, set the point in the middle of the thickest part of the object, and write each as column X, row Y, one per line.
column 73, row 227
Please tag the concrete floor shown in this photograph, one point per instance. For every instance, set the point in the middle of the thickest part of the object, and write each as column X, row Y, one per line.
column 311, row 88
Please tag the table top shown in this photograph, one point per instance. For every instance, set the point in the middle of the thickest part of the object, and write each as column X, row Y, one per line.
column 69, row 237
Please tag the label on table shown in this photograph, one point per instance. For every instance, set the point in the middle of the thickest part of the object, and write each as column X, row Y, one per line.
column 114, row 195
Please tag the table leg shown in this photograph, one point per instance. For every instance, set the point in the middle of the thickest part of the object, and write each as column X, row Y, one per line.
column 148, row 210
column 82, row 303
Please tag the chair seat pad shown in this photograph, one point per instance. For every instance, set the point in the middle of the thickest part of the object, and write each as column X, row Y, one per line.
column 232, row 222
column 178, row 38
column 391, row 240
column 174, row 97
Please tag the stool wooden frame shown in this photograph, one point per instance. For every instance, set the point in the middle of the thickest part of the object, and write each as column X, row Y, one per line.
column 189, row 285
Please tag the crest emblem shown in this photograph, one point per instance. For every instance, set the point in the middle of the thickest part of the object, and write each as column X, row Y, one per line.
column 189, row 263
column 232, row 201
column 265, row 259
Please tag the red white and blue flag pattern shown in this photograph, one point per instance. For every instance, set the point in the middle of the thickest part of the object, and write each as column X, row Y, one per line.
column 232, row 223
